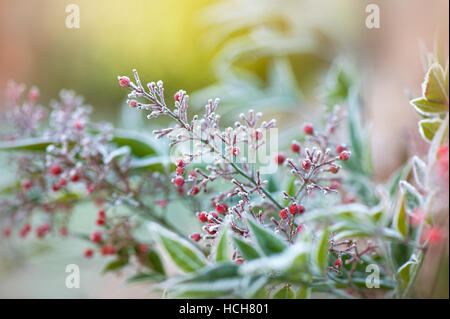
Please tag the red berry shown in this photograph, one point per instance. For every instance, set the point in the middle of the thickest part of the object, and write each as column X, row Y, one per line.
column 96, row 237
column 295, row 147
column 306, row 164
column 26, row 184
column 180, row 171
column 235, row 151
column 340, row 148
column 258, row 134
column 55, row 187
column 308, row 129
column 299, row 228
column 280, row 158
column 212, row 216
column 101, row 214
column 181, row 190
column 108, row 250
column 177, row 97
column 62, row 182
column 75, row 178
column 344, row 156
column 25, row 230
column 193, row 174
column 293, row 209
column 42, row 230
column 55, row 169
column 210, row 229
column 143, row 248
column 195, row 190
column 132, row 103
column 284, row 213
column 334, row 169
column 195, row 237
column 239, row 261
column 203, row 217
column 178, row 181
column 88, row 253
column 180, row 163
column 301, row 209
column 338, row 263
column 100, row 221
column 124, row 81
column 222, row 208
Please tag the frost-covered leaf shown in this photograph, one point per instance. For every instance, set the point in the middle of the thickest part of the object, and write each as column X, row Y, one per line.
column 247, row 251
column 401, row 218
column 185, row 255
column 268, row 242
column 428, row 128
column 321, row 251
column 434, row 86
column 285, row 292
column 420, row 172
column 30, row 144
column 427, row 107
column 413, row 197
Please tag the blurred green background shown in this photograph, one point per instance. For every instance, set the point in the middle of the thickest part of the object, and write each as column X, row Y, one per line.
column 211, row 48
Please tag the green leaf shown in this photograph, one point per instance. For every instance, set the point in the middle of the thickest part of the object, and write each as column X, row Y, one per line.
column 321, row 252
column 405, row 271
column 428, row 128
column 285, row 292
column 115, row 265
column 267, row 241
column 401, row 218
column 426, row 107
column 413, row 198
column 247, row 251
column 144, row 277
column 223, row 249
column 138, row 143
column 30, row 144
column 185, row 255
column 156, row 262
column 214, row 272
column 152, row 164
column 434, row 87
column 420, row 172
column 117, row 153
column 304, row 292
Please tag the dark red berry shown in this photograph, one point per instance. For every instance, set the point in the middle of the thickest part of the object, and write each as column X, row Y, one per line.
column 177, row 97
column 100, row 221
column 293, row 209
column 88, row 253
column 108, row 250
column 340, row 148
column 75, row 178
column 195, row 190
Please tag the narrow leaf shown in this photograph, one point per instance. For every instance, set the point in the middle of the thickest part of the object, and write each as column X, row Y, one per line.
column 267, row 241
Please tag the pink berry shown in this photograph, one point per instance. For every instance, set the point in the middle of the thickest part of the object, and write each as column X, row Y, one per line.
column 101, row 214
column 55, row 169
column 434, row 235
column 299, row 228
column 280, row 158
column 306, row 164
column 235, row 151
column 88, row 253
column 62, row 182
column 308, row 129
column 222, row 208
column 180, row 163
column 162, row 203
column 295, row 147
column 344, row 156
column 177, row 96
column 210, row 229
column 338, row 263
column 33, row 95
column 132, row 103
column 239, row 261
column 124, row 81
column 195, row 237
column 78, row 126
column 203, row 217
column 96, row 237
column 180, row 171
column 284, row 213
column 178, row 181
